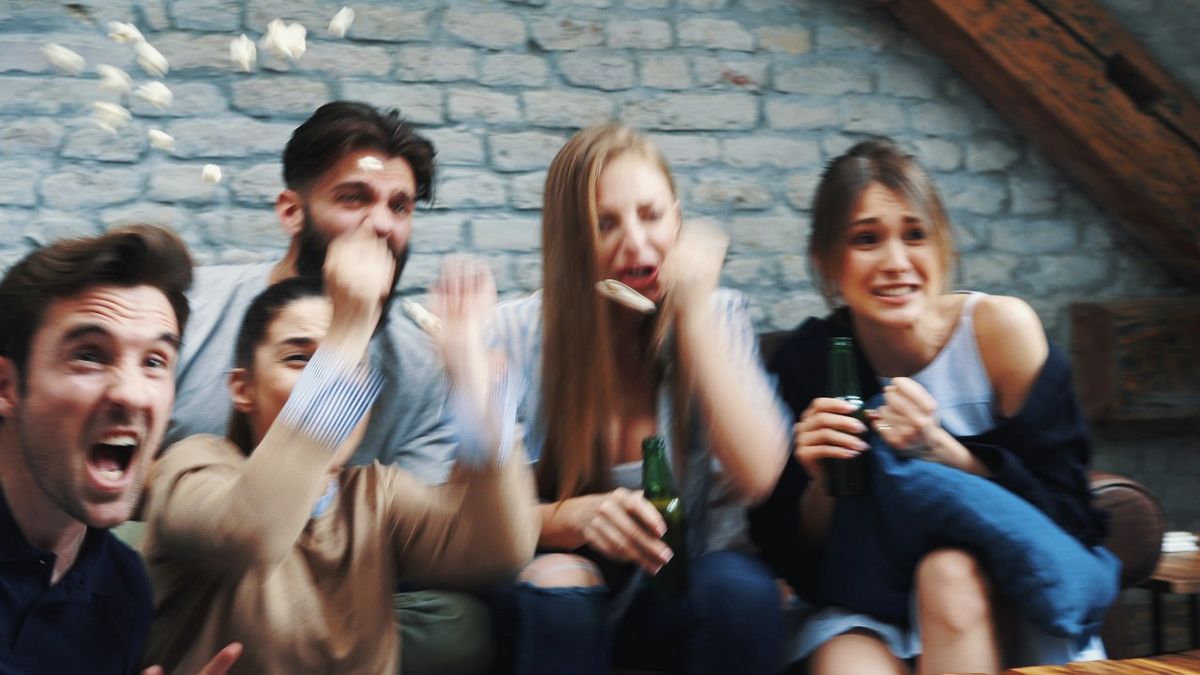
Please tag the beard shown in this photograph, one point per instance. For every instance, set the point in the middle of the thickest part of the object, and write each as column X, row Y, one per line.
column 310, row 261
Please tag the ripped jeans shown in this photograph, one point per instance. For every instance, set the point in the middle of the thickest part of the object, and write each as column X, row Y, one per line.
column 729, row 622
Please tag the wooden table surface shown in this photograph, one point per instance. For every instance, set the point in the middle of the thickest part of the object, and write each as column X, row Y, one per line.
column 1167, row 664
column 1176, row 573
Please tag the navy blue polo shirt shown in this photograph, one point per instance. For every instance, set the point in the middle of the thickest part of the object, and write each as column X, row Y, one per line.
column 94, row 620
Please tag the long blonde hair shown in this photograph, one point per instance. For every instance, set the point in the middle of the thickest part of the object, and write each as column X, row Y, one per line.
column 579, row 383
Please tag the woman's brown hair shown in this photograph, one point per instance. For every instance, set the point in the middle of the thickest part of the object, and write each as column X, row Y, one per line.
column 579, row 385
column 878, row 160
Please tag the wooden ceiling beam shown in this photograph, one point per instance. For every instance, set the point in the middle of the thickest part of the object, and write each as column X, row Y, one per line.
column 1084, row 90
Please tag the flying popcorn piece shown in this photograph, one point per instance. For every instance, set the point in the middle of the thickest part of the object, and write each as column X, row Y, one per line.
column 109, row 116
column 243, row 53
column 121, row 33
column 156, row 94
column 340, row 23
column 620, row 293
column 150, row 59
column 427, row 320
column 114, row 79
column 211, row 173
column 285, row 40
column 369, row 163
column 63, row 59
column 162, row 140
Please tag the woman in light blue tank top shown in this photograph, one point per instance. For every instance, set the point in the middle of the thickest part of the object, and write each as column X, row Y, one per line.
column 949, row 366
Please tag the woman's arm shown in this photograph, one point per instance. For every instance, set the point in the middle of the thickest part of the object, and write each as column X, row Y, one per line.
column 719, row 355
column 228, row 514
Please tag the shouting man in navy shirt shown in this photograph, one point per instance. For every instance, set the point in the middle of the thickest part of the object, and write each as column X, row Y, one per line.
column 89, row 331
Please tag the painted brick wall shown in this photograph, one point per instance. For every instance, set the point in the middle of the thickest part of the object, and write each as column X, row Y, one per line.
column 748, row 98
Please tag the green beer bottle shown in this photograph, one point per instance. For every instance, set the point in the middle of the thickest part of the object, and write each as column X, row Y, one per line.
column 659, row 489
column 846, row 477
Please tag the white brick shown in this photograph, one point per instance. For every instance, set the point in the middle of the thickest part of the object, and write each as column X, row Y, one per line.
column 910, row 80
column 768, row 233
column 48, row 95
column 1033, row 237
column 665, row 71
column 391, row 24
column 523, row 151
column 256, row 228
column 528, row 274
column 482, row 105
column 74, row 187
column 983, row 195
column 438, row 232
column 597, row 70
column 456, row 146
column 227, row 136
column 565, row 34
column 345, row 59
column 715, row 34
column 18, row 181
column 736, row 73
column 50, row 226
column 491, row 30
column 782, row 114
column 795, row 308
column 800, row 188
column 1066, row 273
column 759, row 150
column 991, row 155
column 180, row 182
column 704, row 5
column 566, row 109
column 743, row 271
column 795, row 268
column 715, row 192
column 435, row 64
column 693, row 112
column 1036, row 196
column 30, row 136
column 421, row 104
column 256, row 185
column 280, row 96
column 647, row 4
column 865, row 34
column 192, row 99
column 938, row 119
column 872, row 115
column 785, row 39
column 174, row 217
column 186, row 51
column 527, row 190
column 470, row 188
column 519, row 69
column 207, row 15
column 639, row 34
column 938, row 154
column 88, row 141
column 506, row 234
column 22, row 52
column 823, row 80
column 687, row 149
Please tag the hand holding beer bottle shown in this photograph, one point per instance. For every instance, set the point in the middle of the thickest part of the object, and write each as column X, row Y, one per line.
column 830, row 435
column 658, row 487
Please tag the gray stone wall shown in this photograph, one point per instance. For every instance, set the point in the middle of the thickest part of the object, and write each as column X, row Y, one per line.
column 748, row 98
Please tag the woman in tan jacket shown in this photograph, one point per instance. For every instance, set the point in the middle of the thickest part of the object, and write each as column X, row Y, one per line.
column 264, row 538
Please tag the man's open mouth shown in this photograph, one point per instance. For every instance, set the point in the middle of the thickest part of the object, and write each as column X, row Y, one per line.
column 110, row 458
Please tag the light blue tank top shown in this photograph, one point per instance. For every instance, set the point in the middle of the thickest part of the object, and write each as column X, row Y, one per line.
column 957, row 379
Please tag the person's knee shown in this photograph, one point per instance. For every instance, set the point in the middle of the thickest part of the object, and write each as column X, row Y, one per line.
column 952, row 590
column 561, row 570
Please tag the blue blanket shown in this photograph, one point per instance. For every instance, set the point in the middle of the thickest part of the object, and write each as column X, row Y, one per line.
column 916, row 507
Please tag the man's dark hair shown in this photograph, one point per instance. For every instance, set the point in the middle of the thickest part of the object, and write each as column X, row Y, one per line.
column 342, row 127
column 134, row 255
column 263, row 310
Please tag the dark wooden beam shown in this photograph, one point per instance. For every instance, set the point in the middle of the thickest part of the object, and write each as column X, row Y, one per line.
column 1084, row 90
column 1137, row 359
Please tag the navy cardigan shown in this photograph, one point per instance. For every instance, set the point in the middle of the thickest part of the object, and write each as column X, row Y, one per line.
column 1041, row 454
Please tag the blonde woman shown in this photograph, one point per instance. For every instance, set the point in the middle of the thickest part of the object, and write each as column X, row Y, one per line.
column 604, row 377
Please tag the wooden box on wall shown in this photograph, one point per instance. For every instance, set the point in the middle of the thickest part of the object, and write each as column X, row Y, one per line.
column 1137, row 359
